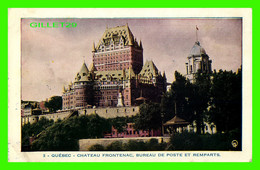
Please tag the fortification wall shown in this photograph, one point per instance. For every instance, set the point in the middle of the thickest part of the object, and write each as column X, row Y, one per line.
column 56, row 116
column 51, row 116
column 102, row 112
column 85, row 144
column 112, row 112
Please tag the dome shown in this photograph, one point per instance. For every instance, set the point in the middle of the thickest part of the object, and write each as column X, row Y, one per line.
column 197, row 50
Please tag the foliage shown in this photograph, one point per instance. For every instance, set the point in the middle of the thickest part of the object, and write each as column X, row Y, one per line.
column 115, row 146
column 176, row 101
column 64, row 135
column 119, row 123
column 226, row 103
column 149, row 117
column 54, row 104
column 97, row 147
column 200, row 99
column 132, row 145
column 192, row 141
column 215, row 97
column 153, row 145
column 34, row 129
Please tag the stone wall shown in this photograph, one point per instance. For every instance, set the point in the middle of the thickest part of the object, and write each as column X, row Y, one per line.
column 85, row 144
column 52, row 116
column 112, row 112
column 102, row 112
column 55, row 116
column 27, row 119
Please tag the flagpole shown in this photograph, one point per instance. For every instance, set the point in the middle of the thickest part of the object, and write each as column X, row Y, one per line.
column 197, row 34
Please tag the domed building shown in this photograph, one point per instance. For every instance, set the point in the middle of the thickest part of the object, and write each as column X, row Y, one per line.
column 198, row 59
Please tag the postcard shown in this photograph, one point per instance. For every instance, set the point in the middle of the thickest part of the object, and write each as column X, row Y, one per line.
column 129, row 85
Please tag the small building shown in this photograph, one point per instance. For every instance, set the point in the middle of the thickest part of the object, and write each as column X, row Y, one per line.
column 179, row 125
column 130, row 132
column 175, row 125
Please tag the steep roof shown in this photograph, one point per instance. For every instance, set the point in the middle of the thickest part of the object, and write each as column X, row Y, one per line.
column 117, row 32
column 114, row 74
column 149, row 69
column 84, row 69
column 176, row 121
column 83, row 74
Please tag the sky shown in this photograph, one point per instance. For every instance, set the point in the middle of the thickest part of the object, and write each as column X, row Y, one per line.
column 51, row 57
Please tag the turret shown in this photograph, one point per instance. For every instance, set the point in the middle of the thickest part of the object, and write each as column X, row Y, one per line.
column 93, row 48
column 140, row 44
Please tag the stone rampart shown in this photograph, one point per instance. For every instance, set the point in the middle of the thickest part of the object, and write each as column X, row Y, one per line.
column 111, row 112
column 102, row 112
column 85, row 144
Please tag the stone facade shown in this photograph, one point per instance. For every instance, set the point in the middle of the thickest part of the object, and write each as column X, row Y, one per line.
column 117, row 76
column 111, row 112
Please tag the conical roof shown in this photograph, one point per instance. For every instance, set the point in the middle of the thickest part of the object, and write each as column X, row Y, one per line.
column 197, row 50
column 84, row 69
column 83, row 74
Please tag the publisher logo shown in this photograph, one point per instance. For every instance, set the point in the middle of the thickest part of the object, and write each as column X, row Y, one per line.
column 234, row 143
column 53, row 25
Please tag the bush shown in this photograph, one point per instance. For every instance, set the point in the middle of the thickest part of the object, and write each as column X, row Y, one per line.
column 186, row 141
column 64, row 135
column 133, row 145
column 115, row 146
column 97, row 147
column 153, row 145
column 193, row 141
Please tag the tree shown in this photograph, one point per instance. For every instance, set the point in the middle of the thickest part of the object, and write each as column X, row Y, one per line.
column 200, row 99
column 177, row 100
column 149, row 117
column 188, row 101
column 226, row 103
column 54, row 104
column 64, row 135
column 34, row 129
column 119, row 123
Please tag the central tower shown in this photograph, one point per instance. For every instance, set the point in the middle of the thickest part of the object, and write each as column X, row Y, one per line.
column 118, row 50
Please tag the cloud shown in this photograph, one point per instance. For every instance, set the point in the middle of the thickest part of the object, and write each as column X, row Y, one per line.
column 51, row 57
